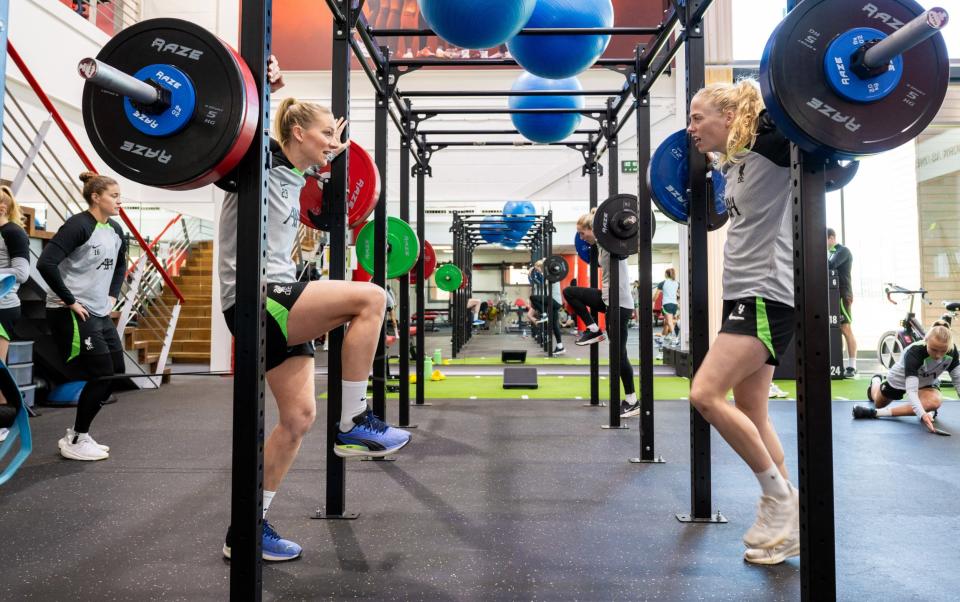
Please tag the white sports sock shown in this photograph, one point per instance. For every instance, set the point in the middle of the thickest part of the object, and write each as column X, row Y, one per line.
column 852, row 362
column 559, row 345
column 884, row 411
column 593, row 327
column 631, row 398
column 773, row 483
column 267, row 499
column 354, row 403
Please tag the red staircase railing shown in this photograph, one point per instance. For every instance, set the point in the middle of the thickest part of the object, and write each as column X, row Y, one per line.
column 55, row 115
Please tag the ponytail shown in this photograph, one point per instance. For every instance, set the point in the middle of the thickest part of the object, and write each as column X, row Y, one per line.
column 293, row 112
column 744, row 100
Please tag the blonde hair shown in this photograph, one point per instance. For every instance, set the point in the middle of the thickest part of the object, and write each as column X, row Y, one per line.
column 13, row 208
column 744, row 100
column 94, row 183
column 939, row 333
column 293, row 112
column 586, row 220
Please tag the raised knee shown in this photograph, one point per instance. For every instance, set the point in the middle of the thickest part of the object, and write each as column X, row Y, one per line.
column 299, row 422
column 374, row 299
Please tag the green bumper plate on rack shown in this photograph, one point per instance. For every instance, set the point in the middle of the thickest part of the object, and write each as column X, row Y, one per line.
column 448, row 277
column 403, row 247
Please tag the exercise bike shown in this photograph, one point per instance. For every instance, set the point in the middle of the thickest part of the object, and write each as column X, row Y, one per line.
column 893, row 342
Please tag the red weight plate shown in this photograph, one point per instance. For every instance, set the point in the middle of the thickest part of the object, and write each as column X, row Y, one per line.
column 465, row 282
column 248, row 127
column 364, row 190
column 361, row 275
column 429, row 263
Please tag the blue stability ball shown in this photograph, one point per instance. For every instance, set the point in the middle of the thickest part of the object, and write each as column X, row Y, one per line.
column 514, row 212
column 494, row 232
column 559, row 56
column 476, row 24
column 550, row 127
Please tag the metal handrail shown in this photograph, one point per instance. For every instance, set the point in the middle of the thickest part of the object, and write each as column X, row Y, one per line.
column 61, row 124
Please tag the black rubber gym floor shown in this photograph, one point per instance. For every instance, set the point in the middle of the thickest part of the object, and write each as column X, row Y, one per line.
column 492, row 500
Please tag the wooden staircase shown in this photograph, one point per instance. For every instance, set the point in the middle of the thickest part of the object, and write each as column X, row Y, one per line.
column 191, row 340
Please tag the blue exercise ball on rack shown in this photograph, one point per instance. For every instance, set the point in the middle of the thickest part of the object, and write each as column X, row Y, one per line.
column 492, row 230
column 518, row 216
column 552, row 127
column 477, row 24
column 561, row 56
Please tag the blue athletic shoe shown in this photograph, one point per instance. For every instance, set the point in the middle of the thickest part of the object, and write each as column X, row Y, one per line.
column 274, row 548
column 370, row 437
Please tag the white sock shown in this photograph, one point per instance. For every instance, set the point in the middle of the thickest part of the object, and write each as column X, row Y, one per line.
column 885, row 411
column 773, row 483
column 559, row 345
column 354, row 403
column 631, row 398
column 267, row 499
column 593, row 327
column 852, row 362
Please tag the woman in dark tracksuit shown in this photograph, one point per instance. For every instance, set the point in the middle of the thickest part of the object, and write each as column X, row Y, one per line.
column 84, row 265
column 541, row 305
column 582, row 299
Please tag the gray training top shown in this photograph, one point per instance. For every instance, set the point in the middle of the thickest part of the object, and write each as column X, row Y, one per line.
column 916, row 363
column 626, row 298
column 14, row 259
column 85, row 261
column 758, row 255
column 284, row 183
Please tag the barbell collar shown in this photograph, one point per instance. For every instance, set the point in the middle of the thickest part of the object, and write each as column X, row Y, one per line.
column 879, row 55
column 110, row 78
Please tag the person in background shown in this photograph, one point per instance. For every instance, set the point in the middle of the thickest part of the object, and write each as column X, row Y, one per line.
column 841, row 259
column 585, row 300
column 14, row 259
column 916, row 376
column 669, row 287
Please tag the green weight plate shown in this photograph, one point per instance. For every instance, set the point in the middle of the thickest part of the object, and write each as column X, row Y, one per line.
column 448, row 277
column 403, row 247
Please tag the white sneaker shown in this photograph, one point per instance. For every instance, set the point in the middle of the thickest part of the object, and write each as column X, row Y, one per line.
column 776, row 392
column 4, row 433
column 788, row 548
column 775, row 521
column 69, row 437
column 85, row 449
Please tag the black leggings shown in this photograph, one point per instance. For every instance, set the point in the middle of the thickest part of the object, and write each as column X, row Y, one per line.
column 582, row 299
column 539, row 303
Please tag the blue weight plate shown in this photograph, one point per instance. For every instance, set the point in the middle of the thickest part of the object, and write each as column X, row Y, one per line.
column 583, row 249
column 837, row 67
column 668, row 178
column 183, row 101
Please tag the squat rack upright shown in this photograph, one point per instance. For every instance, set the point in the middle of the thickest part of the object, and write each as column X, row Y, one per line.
column 818, row 578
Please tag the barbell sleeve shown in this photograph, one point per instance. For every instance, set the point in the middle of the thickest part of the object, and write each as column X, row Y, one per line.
column 905, row 38
column 105, row 76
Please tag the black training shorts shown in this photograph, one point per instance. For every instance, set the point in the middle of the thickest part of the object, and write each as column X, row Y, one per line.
column 769, row 321
column 281, row 298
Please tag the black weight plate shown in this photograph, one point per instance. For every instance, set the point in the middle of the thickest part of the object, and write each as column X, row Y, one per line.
column 820, row 121
column 615, row 225
column 226, row 110
column 839, row 174
column 556, row 268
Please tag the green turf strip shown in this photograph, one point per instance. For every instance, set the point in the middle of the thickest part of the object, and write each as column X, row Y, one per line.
column 574, row 387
